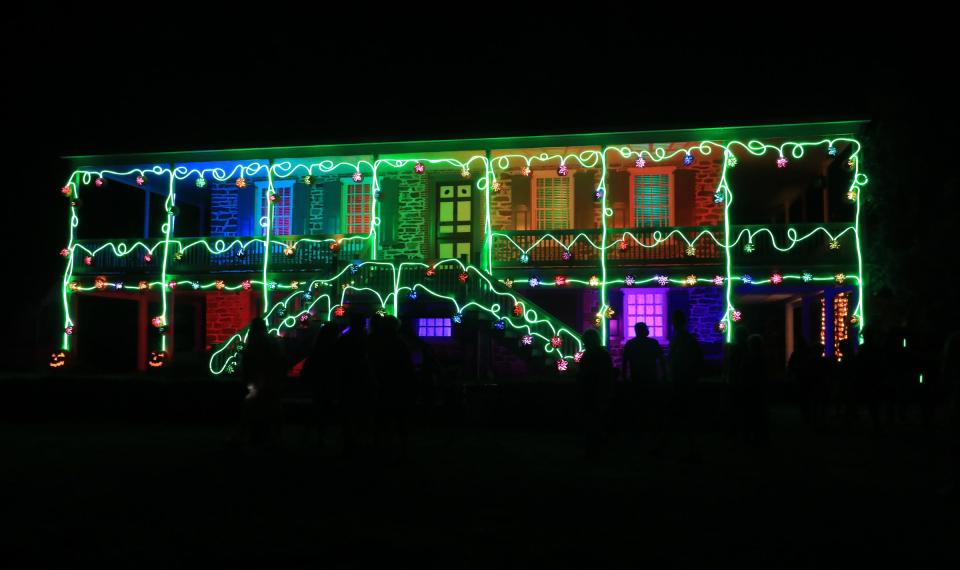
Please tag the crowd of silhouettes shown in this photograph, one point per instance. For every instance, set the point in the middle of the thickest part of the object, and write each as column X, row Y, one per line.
column 369, row 382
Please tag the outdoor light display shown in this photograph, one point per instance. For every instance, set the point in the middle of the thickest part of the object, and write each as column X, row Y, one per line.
column 495, row 296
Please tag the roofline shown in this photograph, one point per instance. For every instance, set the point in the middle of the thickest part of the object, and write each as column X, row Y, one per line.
column 788, row 130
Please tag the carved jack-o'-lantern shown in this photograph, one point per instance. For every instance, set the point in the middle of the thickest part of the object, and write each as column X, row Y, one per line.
column 157, row 358
column 58, row 359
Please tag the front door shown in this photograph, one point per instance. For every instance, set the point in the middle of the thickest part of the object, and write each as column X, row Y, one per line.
column 455, row 221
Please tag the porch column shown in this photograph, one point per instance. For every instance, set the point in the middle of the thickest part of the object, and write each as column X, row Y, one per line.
column 142, row 333
column 805, row 319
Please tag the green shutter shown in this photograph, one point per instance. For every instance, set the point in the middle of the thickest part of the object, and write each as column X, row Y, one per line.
column 331, row 207
column 300, row 215
column 389, row 206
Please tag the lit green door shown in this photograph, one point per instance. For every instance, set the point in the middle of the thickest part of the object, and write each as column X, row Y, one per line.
column 455, row 221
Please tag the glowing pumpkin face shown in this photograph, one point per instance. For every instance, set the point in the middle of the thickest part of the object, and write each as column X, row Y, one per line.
column 156, row 359
column 58, row 359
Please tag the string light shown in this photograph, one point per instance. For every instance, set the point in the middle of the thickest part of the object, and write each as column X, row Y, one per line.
column 623, row 245
column 289, row 251
column 172, row 285
column 731, row 161
column 431, row 272
column 308, row 180
column 68, row 329
column 721, row 326
column 834, row 244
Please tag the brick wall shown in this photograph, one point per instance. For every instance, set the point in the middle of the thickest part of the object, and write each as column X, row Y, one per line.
column 708, row 169
column 411, row 240
column 227, row 312
column 223, row 209
column 705, row 310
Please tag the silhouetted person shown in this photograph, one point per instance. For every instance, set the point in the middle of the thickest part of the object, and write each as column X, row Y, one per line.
column 872, row 376
column 356, row 389
column 755, row 391
column 424, row 363
column 844, row 375
column 320, row 374
column 736, row 355
column 950, row 381
column 393, row 375
column 262, row 368
column 802, row 371
column 642, row 358
column 595, row 379
column 685, row 362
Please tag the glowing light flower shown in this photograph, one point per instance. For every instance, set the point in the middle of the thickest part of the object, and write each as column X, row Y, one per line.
column 691, row 280
column 158, row 321
column 640, row 163
column 776, row 279
column 839, row 278
column 854, row 320
column 431, row 272
column 339, row 311
column 412, row 294
column 526, row 171
column 623, row 245
column 74, row 286
column 419, row 168
column 526, row 340
column 465, row 172
column 308, row 179
column 272, row 196
column 289, row 251
column 143, row 285
column 219, row 285
column 691, row 250
column 832, row 151
column 517, row 309
column 718, row 280
column 851, row 163
column 562, row 365
column 99, row 182
column 357, row 176
column 100, row 282
column 334, row 246
column 593, row 281
column 294, row 284
column 457, row 318
column 497, row 186
column 178, row 256
column 687, row 159
column 272, row 285
column 718, row 197
column 241, row 182
column 781, row 162
column 736, row 316
column 88, row 260
column 566, row 255
column 534, row 281
column 731, row 161
column 598, row 193
column 807, row 277
column 118, row 285
column 629, row 280
column 610, row 312
column 172, row 285
column 524, row 258
column 147, row 257
column 560, row 280
column 241, row 253
column 141, row 179
column 562, row 170
column 747, row 279
column 304, row 317
column 64, row 252
column 201, row 182
column 66, row 191
column 68, row 329
column 749, row 247
column 851, row 195
column 834, row 244
column 722, row 326
column 462, row 277
column 555, row 342
column 500, row 325
column 662, row 280
column 508, row 283
column 195, row 285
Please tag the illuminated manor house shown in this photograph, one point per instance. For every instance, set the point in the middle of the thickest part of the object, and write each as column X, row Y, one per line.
column 499, row 251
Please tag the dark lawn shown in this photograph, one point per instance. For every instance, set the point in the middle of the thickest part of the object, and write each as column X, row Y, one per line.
column 175, row 495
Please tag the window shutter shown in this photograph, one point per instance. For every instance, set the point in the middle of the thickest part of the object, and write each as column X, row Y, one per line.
column 429, row 245
column 520, row 197
column 685, row 199
column 618, row 195
column 247, row 224
column 300, row 215
column 331, row 207
column 584, row 185
column 389, row 206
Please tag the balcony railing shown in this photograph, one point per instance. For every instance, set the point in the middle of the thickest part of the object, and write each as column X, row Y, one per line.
column 654, row 246
column 211, row 255
column 769, row 245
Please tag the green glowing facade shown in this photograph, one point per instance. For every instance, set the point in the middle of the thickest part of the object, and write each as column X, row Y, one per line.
column 485, row 229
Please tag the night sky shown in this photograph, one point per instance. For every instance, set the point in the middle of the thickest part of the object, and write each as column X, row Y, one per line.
column 86, row 82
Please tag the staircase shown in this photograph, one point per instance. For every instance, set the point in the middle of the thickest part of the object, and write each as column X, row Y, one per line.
column 466, row 289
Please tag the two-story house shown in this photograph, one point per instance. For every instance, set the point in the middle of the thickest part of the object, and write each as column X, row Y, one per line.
column 502, row 250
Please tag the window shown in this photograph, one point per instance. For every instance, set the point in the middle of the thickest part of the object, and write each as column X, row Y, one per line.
column 553, row 198
column 357, row 206
column 434, row 327
column 282, row 208
column 651, row 200
column 646, row 306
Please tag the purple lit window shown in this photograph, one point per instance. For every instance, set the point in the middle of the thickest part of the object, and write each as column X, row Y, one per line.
column 646, row 306
column 434, row 327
